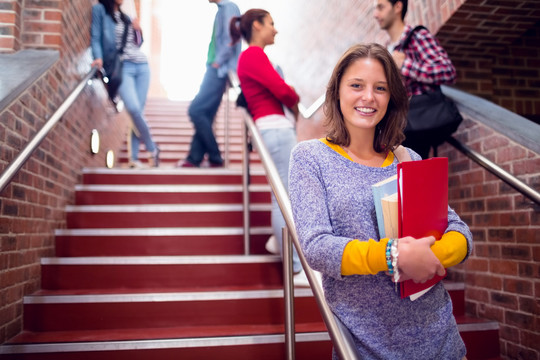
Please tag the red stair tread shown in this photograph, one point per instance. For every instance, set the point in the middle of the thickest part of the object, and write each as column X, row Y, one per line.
column 29, row 337
column 134, row 198
column 158, row 177
column 156, row 290
column 155, row 245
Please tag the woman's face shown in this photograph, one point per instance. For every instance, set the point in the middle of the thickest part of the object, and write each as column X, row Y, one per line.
column 363, row 94
column 267, row 30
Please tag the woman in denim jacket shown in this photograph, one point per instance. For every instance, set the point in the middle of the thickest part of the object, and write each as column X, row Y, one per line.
column 108, row 22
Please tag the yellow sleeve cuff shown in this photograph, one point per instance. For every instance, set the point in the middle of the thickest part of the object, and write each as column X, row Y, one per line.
column 364, row 257
column 369, row 257
column 451, row 249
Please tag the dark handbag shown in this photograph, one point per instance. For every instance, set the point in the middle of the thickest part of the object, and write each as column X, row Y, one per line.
column 433, row 114
column 433, row 111
column 241, row 101
column 112, row 64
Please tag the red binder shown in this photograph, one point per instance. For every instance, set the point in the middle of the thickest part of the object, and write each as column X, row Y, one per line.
column 423, row 208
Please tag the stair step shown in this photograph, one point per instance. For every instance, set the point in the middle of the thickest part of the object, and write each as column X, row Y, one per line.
column 171, row 144
column 163, row 310
column 178, row 272
column 170, row 156
column 186, row 133
column 481, row 337
column 168, row 194
column 170, row 176
column 308, row 345
column 182, row 139
column 159, row 241
column 165, row 215
column 457, row 294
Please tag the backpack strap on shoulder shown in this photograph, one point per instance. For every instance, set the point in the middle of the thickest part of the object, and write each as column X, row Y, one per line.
column 407, row 40
column 402, row 154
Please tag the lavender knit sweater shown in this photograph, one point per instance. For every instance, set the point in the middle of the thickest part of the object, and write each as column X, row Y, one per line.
column 332, row 204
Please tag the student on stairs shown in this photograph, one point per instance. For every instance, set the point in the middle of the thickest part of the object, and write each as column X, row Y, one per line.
column 334, row 213
column 222, row 57
column 266, row 93
column 108, row 23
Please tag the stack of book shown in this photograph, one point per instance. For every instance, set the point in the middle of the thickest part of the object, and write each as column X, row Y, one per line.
column 414, row 202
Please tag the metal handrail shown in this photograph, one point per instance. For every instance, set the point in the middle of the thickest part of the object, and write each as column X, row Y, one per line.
column 24, row 155
column 308, row 112
column 496, row 170
column 338, row 333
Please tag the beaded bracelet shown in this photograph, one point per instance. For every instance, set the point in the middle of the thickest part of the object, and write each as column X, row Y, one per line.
column 389, row 256
column 395, row 253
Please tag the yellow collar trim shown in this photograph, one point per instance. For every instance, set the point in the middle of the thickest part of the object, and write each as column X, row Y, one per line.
column 388, row 161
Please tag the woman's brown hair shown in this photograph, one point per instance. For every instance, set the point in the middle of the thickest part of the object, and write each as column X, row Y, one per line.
column 245, row 23
column 389, row 131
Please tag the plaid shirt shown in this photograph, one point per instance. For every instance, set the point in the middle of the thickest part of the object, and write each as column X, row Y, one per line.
column 426, row 65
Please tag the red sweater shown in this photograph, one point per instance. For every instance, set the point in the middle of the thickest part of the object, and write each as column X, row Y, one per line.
column 263, row 87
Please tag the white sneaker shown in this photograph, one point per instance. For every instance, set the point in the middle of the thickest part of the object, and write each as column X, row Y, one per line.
column 301, row 279
column 272, row 245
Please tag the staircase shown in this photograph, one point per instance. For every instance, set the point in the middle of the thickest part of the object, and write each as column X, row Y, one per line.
column 152, row 265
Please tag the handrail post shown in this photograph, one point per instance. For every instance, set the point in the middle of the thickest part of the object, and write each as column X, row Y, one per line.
column 227, row 124
column 245, row 188
column 339, row 334
column 344, row 347
column 288, row 292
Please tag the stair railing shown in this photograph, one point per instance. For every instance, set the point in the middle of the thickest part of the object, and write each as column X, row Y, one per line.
column 478, row 107
column 226, row 157
column 339, row 334
column 14, row 167
column 496, row 170
column 308, row 112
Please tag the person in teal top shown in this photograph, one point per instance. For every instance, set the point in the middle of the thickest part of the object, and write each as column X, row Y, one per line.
column 222, row 57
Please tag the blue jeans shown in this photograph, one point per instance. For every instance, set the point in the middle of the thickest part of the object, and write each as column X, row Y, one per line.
column 202, row 112
column 133, row 91
column 280, row 143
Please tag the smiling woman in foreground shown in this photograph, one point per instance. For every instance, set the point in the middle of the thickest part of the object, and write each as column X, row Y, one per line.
column 330, row 188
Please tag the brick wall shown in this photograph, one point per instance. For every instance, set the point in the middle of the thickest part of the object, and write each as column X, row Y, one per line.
column 32, row 206
column 497, row 53
column 502, row 275
column 42, row 24
column 516, row 76
column 10, row 25
column 30, row 24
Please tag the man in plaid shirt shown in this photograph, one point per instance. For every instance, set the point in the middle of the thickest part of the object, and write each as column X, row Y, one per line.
column 424, row 64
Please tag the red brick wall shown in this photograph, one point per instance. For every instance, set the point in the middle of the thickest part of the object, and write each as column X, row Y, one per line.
column 502, row 275
column 497, row 53
column 42, row 24
column 516, row 76
column 32, row 206
column 30, row 24
column 10, row 25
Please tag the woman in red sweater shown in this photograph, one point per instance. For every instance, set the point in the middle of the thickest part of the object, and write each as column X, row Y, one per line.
column 266, row 95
